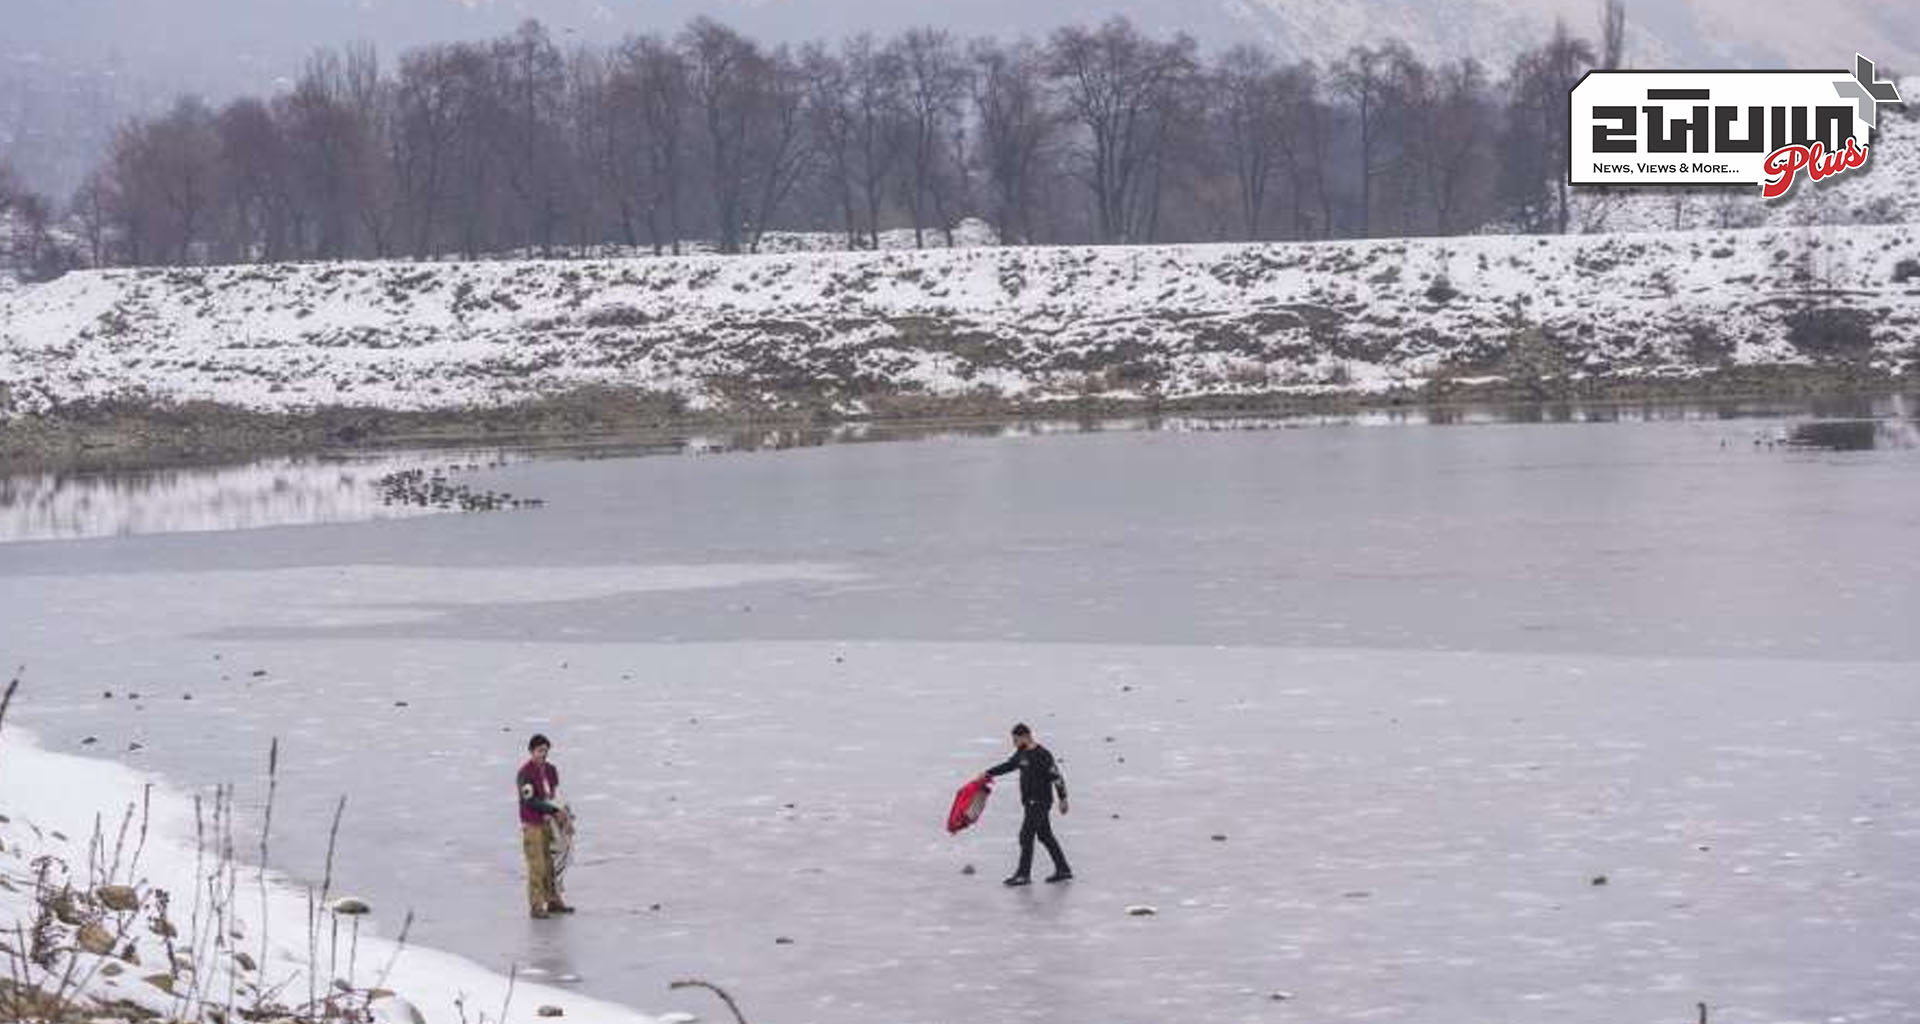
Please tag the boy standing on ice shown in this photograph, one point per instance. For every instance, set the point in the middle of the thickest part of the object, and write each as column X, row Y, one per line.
column 1040, row 779
column 541, row 819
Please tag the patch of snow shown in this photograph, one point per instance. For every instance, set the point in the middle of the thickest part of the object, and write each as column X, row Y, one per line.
column 44, row 793
column 969, row 233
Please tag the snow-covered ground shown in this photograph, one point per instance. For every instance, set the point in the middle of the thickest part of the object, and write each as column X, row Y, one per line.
column 55, row 803
column 968, row 234
column 1035, row 322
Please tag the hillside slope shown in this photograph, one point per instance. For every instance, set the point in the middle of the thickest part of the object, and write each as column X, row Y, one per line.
column 1028, row 323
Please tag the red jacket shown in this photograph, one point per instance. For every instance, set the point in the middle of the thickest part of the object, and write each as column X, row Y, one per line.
column 968, row 804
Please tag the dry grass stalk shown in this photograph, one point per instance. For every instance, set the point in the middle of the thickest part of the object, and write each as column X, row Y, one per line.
column 732, row 1007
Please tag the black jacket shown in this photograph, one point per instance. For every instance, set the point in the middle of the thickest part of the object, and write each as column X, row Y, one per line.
column 1040, row 776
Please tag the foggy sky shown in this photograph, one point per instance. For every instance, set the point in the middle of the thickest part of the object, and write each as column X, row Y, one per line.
column 72, row 69
column 220, row 46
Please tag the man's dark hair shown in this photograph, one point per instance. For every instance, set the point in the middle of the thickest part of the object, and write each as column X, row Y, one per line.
column 537, row 742
column 1020, row 729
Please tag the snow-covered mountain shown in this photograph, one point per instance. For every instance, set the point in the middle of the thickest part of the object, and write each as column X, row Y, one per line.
column 1027, row 323
column 1689, row 33
column 224, row 45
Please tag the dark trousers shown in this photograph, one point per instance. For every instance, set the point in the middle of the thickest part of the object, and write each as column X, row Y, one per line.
column 1038, row 824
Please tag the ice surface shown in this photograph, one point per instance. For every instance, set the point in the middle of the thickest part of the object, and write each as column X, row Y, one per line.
column 1428, row 682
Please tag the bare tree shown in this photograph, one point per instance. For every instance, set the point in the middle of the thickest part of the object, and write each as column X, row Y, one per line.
column 10, row 188
column 1373, row 82
column 256, row 182
column 1306, row 148
column 1104, row 133
column 1562, row 62
column 935, row 83
column 11, row 195
column 723, row 66
column 164, row 175
column 1246, row 86
column 37, row 254
column 331, row 152
column 527, row 137
column 1613, row 34
column 602, row 123
column 474, row 186
column 1533, row 179
column 858, row 119
column 368, row 100
column 779, row 151
column 91, row 209
column 183, row 148
column 436, row 88
column 661, row 77
column 131, row 214
column 1451, row 150
column 1123, row 89
column 830, row 119
column 1017, row 128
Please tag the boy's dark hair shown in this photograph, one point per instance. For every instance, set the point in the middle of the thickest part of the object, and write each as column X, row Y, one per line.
column 1020, row 729
column 537, row 742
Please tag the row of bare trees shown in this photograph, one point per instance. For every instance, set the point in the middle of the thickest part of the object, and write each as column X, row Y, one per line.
column 1098, row 134
column 29, row 246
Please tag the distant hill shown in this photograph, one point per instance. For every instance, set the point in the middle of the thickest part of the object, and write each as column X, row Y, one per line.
column 225, row 45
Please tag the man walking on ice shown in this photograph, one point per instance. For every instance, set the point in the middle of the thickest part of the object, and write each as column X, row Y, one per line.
column 542, row 819
column 1040, row 779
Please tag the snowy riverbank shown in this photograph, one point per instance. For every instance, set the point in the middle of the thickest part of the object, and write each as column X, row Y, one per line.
column 52, row 805
column 1029, row 324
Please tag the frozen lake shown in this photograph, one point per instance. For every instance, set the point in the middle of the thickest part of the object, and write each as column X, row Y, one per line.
column 1430, row 682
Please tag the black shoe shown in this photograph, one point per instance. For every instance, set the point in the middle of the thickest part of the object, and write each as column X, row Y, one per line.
column 1060, row 876
column 557, row 907
column 1017, row 880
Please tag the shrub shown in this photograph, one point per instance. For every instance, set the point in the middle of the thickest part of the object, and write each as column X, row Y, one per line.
column 1442, row 291
column 1131, row 375
column 1831, row 332
column 1706, row 346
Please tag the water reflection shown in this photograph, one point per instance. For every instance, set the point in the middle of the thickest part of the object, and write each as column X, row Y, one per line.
column 774, row 439
column 1854, row 435
column 285, row 491
column 348, row 488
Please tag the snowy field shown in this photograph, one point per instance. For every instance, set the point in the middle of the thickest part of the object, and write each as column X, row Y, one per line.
column 1428, row 683
column 1178, row 321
